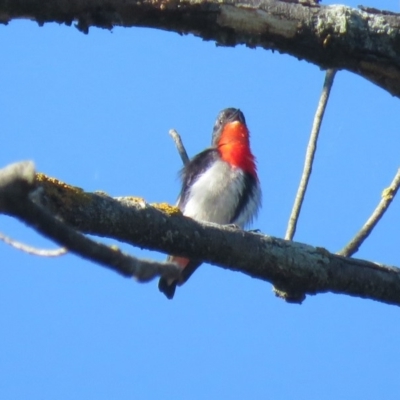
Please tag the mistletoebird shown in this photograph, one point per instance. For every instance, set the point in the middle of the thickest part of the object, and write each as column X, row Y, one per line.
column 219, row 185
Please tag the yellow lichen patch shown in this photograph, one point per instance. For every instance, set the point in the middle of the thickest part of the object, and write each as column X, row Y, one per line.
column 62, row 193
column 387, row 194
column 167, row 208
column 135, row 199
column 42, row 178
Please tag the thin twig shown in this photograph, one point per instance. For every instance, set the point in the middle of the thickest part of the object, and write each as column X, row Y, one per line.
column 179, row 146
column 312, row 145
column 387, row 197
column 33, row 250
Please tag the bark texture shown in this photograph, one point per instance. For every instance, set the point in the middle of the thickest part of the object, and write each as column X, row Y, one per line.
column 19, row 197
column 365, row 41
column 295, row 269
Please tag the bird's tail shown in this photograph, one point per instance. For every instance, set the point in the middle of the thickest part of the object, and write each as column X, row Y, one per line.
column 168, row 286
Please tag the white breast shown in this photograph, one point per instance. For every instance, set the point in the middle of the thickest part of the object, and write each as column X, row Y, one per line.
column 215, row 195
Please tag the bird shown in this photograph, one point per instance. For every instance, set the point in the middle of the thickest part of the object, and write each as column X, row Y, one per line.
column 220, row 185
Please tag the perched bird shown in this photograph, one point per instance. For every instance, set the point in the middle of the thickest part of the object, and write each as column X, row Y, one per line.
column 219, row 185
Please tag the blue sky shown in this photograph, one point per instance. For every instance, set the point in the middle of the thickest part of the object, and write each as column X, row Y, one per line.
column 94, row 110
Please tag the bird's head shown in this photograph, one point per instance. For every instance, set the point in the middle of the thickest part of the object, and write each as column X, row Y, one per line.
column 232, row 140
column 230, row 125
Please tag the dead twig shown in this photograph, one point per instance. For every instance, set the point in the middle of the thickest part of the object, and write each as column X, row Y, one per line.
column 179, row 146
column 33, row 250
column 311, row 148
column 387, row 197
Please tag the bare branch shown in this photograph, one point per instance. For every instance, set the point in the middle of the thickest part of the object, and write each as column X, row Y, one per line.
column 338, row 37
column 16, row 180
column 387, row 196
column 15, row 201
column 312, row 146
column 294, row 268
column 33, row 250
column 179, row 146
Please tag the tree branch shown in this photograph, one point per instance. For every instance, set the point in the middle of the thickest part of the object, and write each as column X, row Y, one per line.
column 292, row 267
column 179, row 146
column 363, row 41
column 17, row 183
column 33, row 250
column 387, row 198
column 311, row 149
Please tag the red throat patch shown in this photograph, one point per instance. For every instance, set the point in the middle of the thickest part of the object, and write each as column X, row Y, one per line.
column 234, row 147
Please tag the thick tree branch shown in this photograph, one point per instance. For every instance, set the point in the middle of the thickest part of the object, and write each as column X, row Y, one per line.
column 16, row 186
column 292, row 267
column 364, row 41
